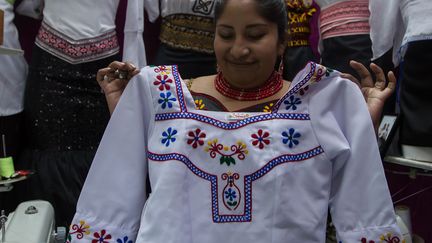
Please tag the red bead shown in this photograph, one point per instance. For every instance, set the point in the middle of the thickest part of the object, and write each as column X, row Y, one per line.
column 273, row 85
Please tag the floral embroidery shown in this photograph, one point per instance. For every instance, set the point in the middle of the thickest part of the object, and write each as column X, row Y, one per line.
column 231, row 193
column 321, row 72
column 80, row 229
column 166, row 100
column 196, row 138
column 163, row 82
column 163, row 70
column 388, row 238
column 199, row 104
column 124, row 240
column 260, row 140
column 215, row 148
column 268, row 108
column 290, row 137
column 168, row 136
column 292, row 103
column 101, row 238
column 302, row 91
column 245, row 209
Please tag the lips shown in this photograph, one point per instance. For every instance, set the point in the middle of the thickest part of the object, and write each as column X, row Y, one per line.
column 241, row 64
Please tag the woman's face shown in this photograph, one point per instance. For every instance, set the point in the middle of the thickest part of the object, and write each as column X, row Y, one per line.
column 246, row 44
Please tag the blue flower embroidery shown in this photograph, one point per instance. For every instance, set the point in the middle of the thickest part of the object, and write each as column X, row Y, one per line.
column 124, row 240
column 166, row 100
column 293, row 102
column 230, row 194
column 168, row 136
column 290, row 137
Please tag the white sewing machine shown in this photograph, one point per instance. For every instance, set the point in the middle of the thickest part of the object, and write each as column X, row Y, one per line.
column 31, row 222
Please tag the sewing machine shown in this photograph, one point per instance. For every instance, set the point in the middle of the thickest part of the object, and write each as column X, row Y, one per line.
column 31, row 222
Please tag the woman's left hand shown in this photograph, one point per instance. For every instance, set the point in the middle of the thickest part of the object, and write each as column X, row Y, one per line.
column 113, row 80
column 375, row 93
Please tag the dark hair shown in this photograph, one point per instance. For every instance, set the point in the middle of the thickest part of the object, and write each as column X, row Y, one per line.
column 272, row 10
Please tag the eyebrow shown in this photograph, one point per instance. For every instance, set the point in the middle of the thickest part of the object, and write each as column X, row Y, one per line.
column 247, row 27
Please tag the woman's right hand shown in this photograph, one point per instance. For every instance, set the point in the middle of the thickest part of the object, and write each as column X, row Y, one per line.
column 113, row 80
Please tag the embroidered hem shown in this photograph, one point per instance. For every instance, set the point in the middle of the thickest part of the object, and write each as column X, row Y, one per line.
column 188, row 32
column 76, row 51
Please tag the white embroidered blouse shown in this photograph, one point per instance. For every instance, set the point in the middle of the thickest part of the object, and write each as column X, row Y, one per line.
column 89, row 26
column 237, row 177
column 13, row 68
column 396, row 23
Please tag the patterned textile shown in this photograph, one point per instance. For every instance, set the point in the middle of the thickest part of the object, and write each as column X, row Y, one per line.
column 76, row 51
column 299, row 15
column 188, row 32
column 345, row 18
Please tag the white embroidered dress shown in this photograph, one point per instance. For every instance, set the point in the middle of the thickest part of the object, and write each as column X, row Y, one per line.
column 236, row 177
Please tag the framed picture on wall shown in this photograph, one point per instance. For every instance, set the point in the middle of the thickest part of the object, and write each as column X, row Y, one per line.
column 386, row 131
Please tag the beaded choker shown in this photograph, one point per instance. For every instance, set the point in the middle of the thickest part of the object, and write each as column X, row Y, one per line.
column 273, row 84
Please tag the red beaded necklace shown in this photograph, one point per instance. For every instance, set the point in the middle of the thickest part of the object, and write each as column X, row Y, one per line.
column 273, row 84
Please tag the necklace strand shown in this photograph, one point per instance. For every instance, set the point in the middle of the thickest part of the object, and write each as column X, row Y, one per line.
column 273, row 84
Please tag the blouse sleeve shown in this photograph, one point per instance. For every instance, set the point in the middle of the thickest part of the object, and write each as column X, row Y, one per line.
column 114, row 192
column 360, row 202
column 386, row 27
column 133, row 47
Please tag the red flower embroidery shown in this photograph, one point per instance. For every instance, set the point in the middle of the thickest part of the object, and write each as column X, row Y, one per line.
column 260, row 139
column 303, row 90
column 163, row 82
column 162, row 69
column 100, row 238
column 196, row 138
column 364, row 240
column 79, row 230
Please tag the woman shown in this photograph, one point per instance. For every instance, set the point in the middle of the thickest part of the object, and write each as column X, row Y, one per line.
column 234, row 173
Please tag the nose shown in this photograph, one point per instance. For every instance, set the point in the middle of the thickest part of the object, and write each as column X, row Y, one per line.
column 239, row 48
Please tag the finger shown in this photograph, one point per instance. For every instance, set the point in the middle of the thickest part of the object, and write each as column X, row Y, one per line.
column 391, row 87
column 365, row 76
column 116, row 65
column 102, row 73
column 131, row 69
column 392, row 81
column 351, row 78
column 133, row 73
column 380, row 82
column 121, row 74
column 129, row 66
